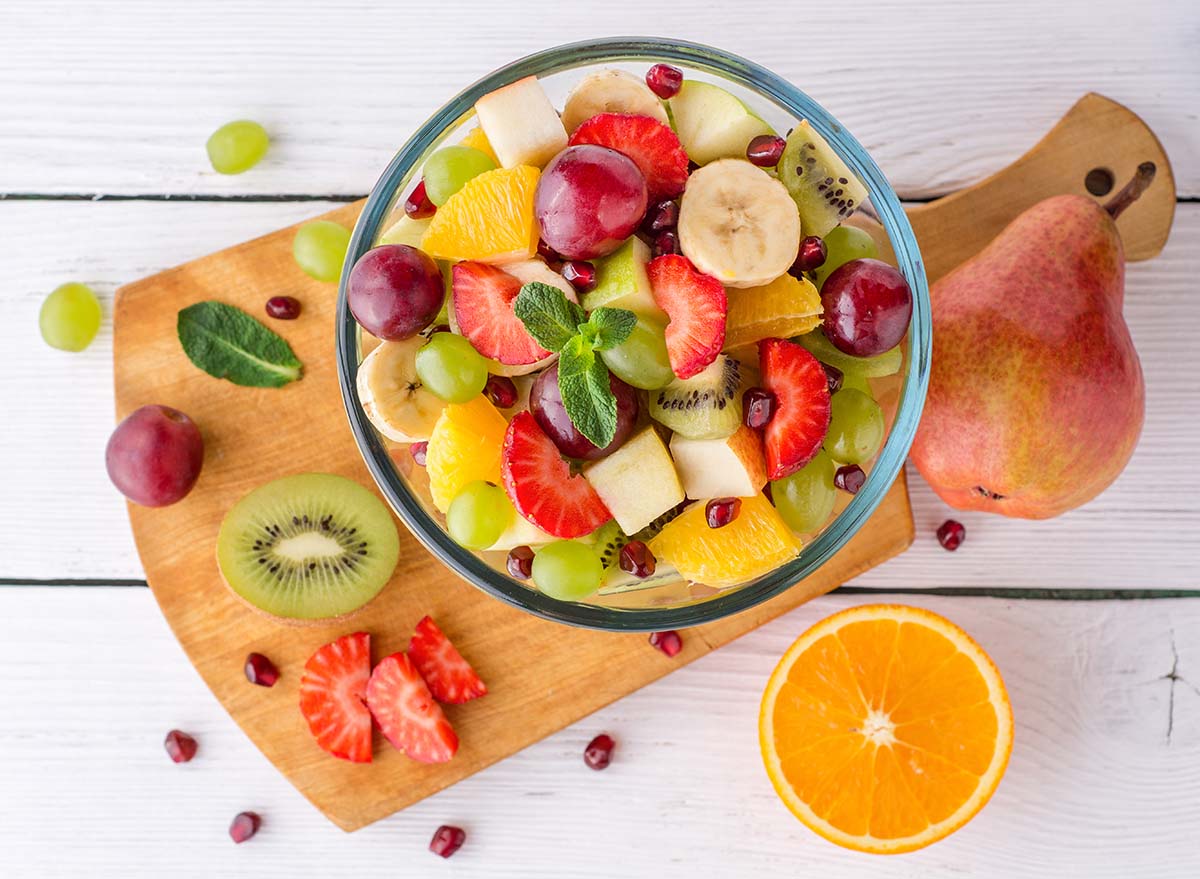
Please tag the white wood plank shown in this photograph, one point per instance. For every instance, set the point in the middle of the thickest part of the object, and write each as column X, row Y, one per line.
column 120, row 97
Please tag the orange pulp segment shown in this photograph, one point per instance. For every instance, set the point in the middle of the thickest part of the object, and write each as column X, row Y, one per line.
column 490, row 219
column 464, row 446
column 784, row 308
column 478, row 140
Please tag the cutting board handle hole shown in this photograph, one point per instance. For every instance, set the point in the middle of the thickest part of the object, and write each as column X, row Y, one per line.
column 1099, row 181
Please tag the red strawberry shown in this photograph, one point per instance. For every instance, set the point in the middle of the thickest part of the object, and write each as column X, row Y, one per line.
column 696, row 305
column 406, row 713
column 450, row 677
column 652, row 146
column 794, row 434
column 332, row 694
column 483, row 309
column 540, row 484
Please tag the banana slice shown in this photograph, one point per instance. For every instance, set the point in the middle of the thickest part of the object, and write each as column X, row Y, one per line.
column 392, row 395
column 738, row 224
column 611, row 91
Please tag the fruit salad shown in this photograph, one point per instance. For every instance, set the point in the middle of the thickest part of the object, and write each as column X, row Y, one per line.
column 631, row 343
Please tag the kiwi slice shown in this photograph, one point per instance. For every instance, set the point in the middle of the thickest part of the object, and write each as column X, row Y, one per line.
column 706, row 406
column 824, row 189
column 308, row 547
column 608, row 540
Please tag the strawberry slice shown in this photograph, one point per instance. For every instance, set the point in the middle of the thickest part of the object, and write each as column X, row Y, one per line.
column 794, row 434
column 696, row 305
column 406, row 713
column 652, row 146
column 483, row 309
column 450, row 677
column 540, row 484
column 332, row 693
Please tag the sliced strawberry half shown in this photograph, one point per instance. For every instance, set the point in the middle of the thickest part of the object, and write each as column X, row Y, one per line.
column 541, row 486
column 483, row 310
column 332, row 693
column 696, row 305
column 449, row 677
column 794, row 434
column 406, row 713
column 652, row 146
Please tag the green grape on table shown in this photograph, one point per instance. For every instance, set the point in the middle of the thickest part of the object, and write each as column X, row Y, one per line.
column 478, row 515
column 805, row 499
column 320, row 249
column 70, row 317
column 450, row 368
column 844, row 244
column 237, row 146
column 448, row 170
column 641, row 360
column 567, row 570
column 887, row 363
column 855, row 427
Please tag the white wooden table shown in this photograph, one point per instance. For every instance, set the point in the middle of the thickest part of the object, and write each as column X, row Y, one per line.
column 104, row 109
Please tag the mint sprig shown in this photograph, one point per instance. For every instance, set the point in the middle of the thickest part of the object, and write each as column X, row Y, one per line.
column 549, row 316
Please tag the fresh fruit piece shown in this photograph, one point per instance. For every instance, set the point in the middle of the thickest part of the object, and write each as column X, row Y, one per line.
column 950, row 535
column 610, row 91
column 729, row 467
column 722, row 511
column 805, row 499
column 260, row 671
column 664, row 80
column 490, row 219
column 737, row 223
column 758, row 408
column 478, row 515
column 842, row 245
column 464, row 447
column 450, row 368
column 418, row 206
column 598, row 754
column 637, row 482
column 237, row 146
column 885, row 728
column 867, row 307
column 637, row 560
column 405, row 230
column 520, row 562
column 541, row 486
column 787, row 306
column 308, row 547
column 811, row 256
column 567, row 570
column 622, row 282
column 546, row 404
column 706, row 406
column 712, row 123
column 826, row 192
column 418, row 451
column 449, row 677
column 887, row 363
column 483, row 313
column 70, row 317
column 667, row 642
column 836, row 378
column 666, row 242
column 801, row 420
column 283, row 307
column 476, row 139
column 244, row 826
column 528, row 271
column 695, row 304
column 395, row 291
column 154, row 456
column 607, row 541
column 406, row 712
column 521, row 124
column 855, row 427
column 765, row 150
column 392, row 394
column 447, row 840
column 180, row 747
column 580, row 275
column 652, row 146
column 661, row 217
column 448, row 170
column 589, row 200
column 502, row 391
column 319, row 248
column 333, row 692
column 519, row 531
column 849, row 478
column 642, row 360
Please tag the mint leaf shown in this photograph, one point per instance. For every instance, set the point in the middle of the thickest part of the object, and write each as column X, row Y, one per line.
column 583, row 384
column 228, row 343
column 608, row 327
column 549, row 316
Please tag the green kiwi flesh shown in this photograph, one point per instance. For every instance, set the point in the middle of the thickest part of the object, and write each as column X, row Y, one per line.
column 706, row 406
column 826, row 192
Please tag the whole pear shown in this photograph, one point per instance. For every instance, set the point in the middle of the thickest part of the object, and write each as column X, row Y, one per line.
column 1036, row 397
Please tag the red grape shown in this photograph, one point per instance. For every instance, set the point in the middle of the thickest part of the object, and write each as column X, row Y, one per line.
column 589, row 200
column 545, row 402
column 395, row 291
column 867, row 307
column 154, row 456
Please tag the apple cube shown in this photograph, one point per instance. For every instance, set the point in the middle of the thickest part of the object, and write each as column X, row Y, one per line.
column 730, row 467
column 521, row 124
column 520, row 532
column 622, row 282
column 637, row 482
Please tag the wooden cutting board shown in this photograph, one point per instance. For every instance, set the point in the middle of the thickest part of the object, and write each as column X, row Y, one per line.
column 542, row 676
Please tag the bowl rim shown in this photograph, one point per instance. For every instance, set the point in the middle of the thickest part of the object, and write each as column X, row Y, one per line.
column 888, row 464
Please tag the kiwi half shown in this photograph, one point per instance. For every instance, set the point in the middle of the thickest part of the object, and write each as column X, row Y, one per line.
column 824, row 189
column 706, row 406
column 308, row 547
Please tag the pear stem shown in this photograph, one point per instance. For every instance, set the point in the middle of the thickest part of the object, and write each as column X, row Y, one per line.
column 1132, row 190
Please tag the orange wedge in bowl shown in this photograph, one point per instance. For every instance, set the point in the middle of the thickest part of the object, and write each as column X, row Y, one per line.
column 490, row 219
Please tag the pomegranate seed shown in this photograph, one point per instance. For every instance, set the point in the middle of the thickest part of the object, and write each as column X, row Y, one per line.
column 666, row 242
column 664, row 80
column 546, row 252
column 447, row 839
column 637, row 559
column 501, row 391
column 582, row 275
column 598, row 754
column 417, row 205
column 811, row 255
column 283, row 307
column 758, row 408
column 418, row 451
column 951, row 534
column 244, row 826
column 662, row 216
column 261, row 671
column 765, row 150
column 719, row 512
column 849, row 478
column 834, row 376
column 668, row 642
column 520, row 562
column 181, row 747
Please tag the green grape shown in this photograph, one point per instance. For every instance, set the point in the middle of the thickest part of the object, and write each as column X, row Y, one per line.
column 448, row 170
column 887, row 363
column 844, row 244
column 567, row 570
column 858, row 382
column 70, row 317
column 855, row 427
column 320, row 249
column 450, row 368
column 641, row 360
column 237, row 146
column 805, row 499
column 478, row 515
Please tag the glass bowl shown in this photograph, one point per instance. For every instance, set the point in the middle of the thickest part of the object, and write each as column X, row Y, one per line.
column 678, row 604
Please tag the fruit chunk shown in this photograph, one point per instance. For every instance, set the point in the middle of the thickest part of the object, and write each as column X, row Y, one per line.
column 826, row 192
column 405, row 230
column 785, row 307
column 885, row 728
column 842, row 245
column 243, row 826
column 449, row 169
column 180, row 747
column 805, row 499
column 801, row 388
column 610, row 91
column 154, row 456
column 333, row 691
column 622, row 282
column 695, row 304
column 855, row 427
column 283, row 307
column 567, row 570
column 478, row 515
column 476, row 139
column 706, row 406
column 490, row 219
column 464, row 447
column 519, row 532
column 546, row 404
column 642, row 360
column 450, row 368
column 395, row 291
column 449, row 677
column 652, row 146
column 887, row 363
column 729, row 467
column 589, row 200
column 637, row 482
column 447, row 839
column 237, row 146
column 319, row 248
column 521, row 124
column 70, row 317
column 867, row 307
column 712, row 123
column 483, row 311
column 754, row 543
column 407, row 715
column 392, row 395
